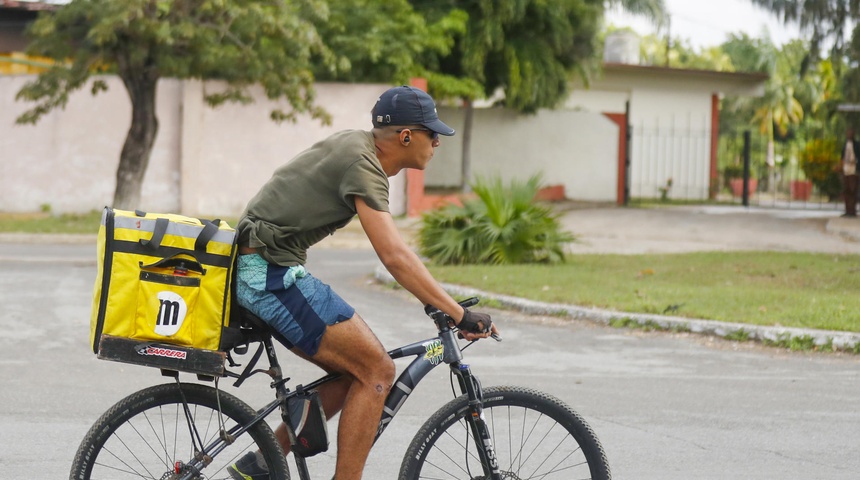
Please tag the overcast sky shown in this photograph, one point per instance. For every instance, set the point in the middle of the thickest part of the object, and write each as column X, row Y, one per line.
column 707, row 23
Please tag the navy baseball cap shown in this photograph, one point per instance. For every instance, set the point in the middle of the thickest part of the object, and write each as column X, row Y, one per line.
column 408, row 106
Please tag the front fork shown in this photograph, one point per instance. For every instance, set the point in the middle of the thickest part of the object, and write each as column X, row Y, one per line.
column 471, row 387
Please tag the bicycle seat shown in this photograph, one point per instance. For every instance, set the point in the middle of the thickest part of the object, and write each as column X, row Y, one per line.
column 246, row 327
column 246, row 320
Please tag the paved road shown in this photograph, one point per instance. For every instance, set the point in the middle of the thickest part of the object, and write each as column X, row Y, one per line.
column 665, row 406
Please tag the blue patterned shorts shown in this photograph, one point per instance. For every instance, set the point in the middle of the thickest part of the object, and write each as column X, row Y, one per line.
column 289, row 299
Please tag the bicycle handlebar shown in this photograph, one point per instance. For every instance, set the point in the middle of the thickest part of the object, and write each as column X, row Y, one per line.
column 432, row 311
column 438, row 315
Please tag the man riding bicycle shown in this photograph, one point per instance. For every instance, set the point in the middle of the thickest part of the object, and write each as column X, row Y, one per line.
column 309, row 198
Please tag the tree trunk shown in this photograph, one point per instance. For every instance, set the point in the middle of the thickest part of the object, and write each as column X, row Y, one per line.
column 466, row 163
column 134, row 159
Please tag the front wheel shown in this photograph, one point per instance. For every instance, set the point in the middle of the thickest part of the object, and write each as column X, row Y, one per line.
column 156, row 432
column 534, row 435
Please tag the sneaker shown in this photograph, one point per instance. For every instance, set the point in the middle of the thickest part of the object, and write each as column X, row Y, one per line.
column 248, row 468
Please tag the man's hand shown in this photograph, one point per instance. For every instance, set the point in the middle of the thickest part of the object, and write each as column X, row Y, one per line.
column 476, row 325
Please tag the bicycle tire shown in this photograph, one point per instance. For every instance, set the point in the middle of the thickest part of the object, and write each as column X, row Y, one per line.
column 144, row 434
column 523, row 424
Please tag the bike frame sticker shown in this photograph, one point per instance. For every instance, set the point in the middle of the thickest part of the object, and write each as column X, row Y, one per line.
column 435, row 351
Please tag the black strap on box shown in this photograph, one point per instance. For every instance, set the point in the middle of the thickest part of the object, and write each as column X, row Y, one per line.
column 210, row 228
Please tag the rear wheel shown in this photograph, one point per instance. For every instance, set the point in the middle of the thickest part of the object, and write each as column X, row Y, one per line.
column 150, row 434
column 534, row 435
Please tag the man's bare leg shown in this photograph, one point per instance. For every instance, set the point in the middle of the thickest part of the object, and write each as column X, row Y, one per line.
column 351, row 348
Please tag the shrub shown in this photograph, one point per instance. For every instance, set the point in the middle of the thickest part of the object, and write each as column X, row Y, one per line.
column 502, row 225
column 820, row 162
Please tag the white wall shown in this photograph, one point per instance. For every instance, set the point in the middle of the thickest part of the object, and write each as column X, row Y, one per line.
column 69, row 159
column 576, row 149
column 229, row 152
column 210, row 162
column 205, row 161
column 597, row 101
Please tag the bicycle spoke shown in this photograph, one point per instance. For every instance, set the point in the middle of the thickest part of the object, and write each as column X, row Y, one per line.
column 132, row 452
column 554, row 468
column 130, row 468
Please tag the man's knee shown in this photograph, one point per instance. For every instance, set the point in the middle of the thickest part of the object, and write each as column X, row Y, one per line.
column 381, row 376
column 387, row 372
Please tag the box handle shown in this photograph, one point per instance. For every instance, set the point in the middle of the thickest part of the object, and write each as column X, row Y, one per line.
column 157, row 234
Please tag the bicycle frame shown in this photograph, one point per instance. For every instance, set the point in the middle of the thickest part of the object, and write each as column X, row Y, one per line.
column 428, row 355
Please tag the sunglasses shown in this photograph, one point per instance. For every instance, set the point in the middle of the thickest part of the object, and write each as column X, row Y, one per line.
column 433, row 135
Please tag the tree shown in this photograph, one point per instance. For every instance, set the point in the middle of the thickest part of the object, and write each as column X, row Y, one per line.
column 244, row 42
column 795, row 110
column 654, row 51
column 527, row 49
column 824, row 20
column 849, row 87
column 361, row 33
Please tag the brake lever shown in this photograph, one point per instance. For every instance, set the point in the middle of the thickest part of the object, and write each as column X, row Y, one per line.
column 494, row 336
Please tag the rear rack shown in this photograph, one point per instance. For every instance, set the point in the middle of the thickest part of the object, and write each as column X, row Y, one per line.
column 162, row 355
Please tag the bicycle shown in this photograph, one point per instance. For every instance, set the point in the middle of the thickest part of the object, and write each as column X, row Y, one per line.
column 194, row 431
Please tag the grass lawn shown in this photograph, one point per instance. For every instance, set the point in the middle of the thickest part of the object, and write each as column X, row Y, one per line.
column 48, row 223
column 764, row 288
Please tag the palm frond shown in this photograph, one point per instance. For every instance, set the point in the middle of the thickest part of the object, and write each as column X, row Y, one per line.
column 503, row 225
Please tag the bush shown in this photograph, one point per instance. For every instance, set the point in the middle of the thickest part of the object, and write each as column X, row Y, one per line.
column 503, row 225
column 820, row 161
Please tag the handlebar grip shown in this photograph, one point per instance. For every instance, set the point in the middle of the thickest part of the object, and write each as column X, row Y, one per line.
column 431, row 311
column 469, row 302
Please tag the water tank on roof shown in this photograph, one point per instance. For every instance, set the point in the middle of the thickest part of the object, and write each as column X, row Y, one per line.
column 621, row 47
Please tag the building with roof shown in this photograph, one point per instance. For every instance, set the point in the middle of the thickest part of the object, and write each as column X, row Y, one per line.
column 635, row 129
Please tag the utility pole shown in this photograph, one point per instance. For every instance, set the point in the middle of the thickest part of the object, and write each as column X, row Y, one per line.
column 668, row 37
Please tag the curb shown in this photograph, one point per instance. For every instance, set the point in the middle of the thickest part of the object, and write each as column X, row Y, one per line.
column 780, row 336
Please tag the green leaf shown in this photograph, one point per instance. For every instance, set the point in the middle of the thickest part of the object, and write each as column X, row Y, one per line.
column 503, row 225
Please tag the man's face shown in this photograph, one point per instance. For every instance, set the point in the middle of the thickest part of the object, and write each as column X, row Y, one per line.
column 423, row 143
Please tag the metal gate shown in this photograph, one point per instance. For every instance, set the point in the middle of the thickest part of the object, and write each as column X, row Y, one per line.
column 757, row 172
column 669, row 163
column 672, row 163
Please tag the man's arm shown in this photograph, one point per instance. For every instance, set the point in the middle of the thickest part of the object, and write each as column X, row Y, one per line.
column 403, row 264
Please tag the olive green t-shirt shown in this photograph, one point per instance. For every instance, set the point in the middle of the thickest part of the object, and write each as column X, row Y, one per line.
column 312, row 196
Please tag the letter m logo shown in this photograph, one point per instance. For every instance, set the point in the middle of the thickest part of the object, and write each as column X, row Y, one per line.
column 168, row 313
column 171, row 313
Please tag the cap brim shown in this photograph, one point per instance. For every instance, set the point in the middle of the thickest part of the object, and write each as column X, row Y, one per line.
column 440, row 128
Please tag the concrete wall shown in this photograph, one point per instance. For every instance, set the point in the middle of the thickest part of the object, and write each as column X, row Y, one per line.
column 229, row 152
column 68, row 160
column 205, row 161
column 576, row 149
column 671, row 122
column 210, row 162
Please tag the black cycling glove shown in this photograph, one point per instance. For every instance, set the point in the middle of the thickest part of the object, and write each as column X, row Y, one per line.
column 472, row 322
